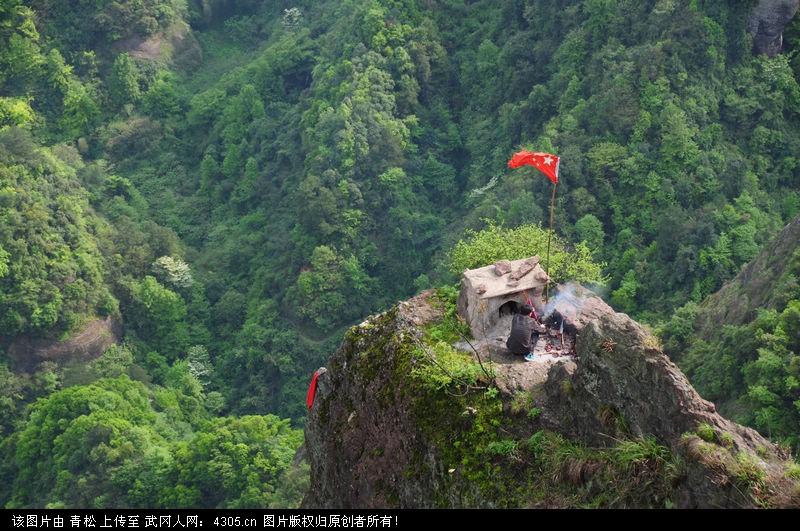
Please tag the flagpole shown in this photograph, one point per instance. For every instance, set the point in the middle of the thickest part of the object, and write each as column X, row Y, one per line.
column 549, row 233
column 542, row 162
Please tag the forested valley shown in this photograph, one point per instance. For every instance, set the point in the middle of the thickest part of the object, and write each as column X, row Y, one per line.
column 225, row 187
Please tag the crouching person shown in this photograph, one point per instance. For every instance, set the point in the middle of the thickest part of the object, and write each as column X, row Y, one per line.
column 524, row 333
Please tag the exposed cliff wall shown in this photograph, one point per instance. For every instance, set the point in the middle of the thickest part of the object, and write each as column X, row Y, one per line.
column 625, row 386
column 383, row 433
column 766, row 22
column 88, row 343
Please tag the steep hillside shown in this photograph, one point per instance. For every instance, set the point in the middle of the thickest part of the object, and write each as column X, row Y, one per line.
column 400, row 420
column 763, row 283
column 741, row 346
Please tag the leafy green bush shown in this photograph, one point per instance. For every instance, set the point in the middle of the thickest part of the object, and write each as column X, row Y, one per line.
column 566, row 262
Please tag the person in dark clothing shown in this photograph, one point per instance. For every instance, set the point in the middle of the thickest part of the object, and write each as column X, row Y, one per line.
column 524, row 333
column 556, row 320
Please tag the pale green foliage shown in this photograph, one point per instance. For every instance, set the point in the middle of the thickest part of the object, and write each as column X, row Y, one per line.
column 199, row 363
column 292, row 18
column 161, row 302
column 108, row 444
column 477, row 192
column 15, row 111
column 495, row 243
column 624, row 297
column 173, row 270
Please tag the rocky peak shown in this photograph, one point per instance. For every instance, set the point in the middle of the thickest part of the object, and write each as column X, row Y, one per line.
column 379, row 435
column 766, row 22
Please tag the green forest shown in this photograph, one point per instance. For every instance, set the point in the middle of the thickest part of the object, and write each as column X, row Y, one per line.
column 232, row 185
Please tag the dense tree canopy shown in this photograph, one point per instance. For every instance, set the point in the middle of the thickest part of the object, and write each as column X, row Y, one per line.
column 494, row 243
column 116, row 443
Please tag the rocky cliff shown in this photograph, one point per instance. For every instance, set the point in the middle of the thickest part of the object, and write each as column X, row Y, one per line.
column 409, row 415
column 766, row 23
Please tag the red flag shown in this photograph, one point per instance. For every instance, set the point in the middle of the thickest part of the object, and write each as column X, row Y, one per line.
column 544, row 162
column 312, row 390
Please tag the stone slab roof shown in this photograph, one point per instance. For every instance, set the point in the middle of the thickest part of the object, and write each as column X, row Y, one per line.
column 505, row 276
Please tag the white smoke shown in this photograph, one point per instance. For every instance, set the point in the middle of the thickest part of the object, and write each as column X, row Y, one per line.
column 569, row 301
column 564, row 298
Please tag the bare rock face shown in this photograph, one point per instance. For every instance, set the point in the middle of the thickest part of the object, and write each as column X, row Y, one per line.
column 375, row 439
column 88, row 343
column 625, row 386
column 621, row 367
column 176, row 45
column 360, row 437
column 766, row 23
